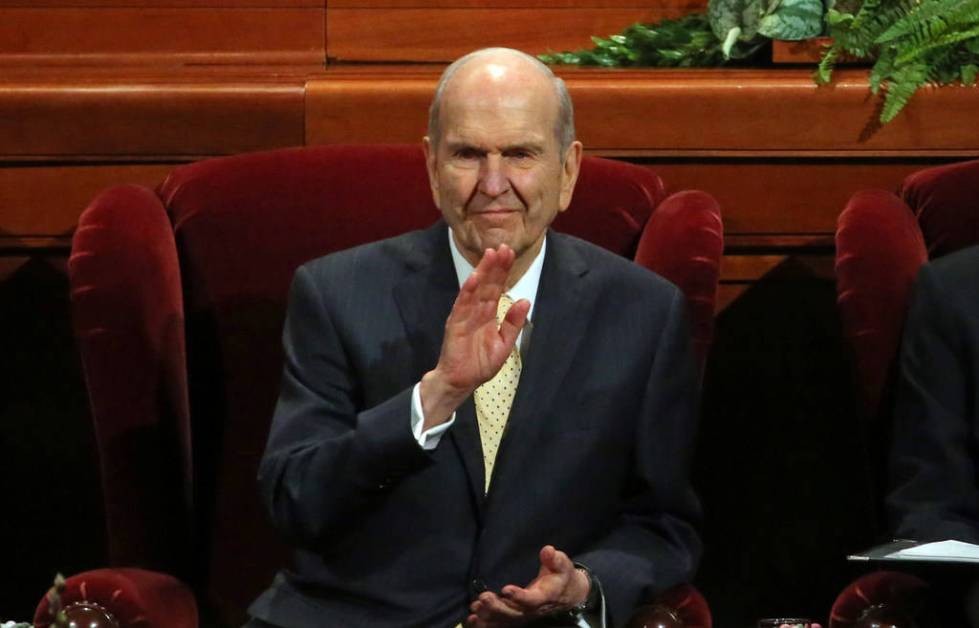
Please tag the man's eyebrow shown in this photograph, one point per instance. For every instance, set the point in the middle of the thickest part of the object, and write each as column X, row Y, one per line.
column 532, row 147
column 454, row 145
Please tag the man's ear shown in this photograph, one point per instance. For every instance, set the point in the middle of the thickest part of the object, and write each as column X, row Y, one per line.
column 432, row 166
column 569, row 173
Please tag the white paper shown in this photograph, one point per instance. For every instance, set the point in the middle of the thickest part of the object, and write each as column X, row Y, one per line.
column 955, row 551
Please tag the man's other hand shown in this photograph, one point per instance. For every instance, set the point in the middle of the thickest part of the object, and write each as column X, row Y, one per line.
column 474, row 347
column 558, row 587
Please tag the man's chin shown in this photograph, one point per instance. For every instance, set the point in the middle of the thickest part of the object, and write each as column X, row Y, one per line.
column 492, row 238
column 474, row 242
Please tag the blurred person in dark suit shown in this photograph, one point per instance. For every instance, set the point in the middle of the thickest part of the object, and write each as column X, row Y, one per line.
column 935, row 448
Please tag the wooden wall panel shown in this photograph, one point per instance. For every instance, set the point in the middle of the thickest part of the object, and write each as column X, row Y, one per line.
column 161, row 4
column 771, row 196
column 506, row 4
column 378, row 110
column 710, row 112
column 443, row 34
column 141, row 117
column 763, row 110
column 115, row 36
column 45, row 201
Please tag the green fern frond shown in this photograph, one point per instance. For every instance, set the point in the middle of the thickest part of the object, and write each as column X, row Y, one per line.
column 824, row 71
column 913, row 42
column 926, row 20
column 948, row 39
column 866, row 11
column 882, row 69
column 858, row 36
column 966, row 13
column 902, row 86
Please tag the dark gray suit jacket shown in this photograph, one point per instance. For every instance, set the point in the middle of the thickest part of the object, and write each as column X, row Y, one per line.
column 935, row 453
column 594, row 461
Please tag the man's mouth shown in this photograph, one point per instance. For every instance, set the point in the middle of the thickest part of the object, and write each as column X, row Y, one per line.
column 495, row 210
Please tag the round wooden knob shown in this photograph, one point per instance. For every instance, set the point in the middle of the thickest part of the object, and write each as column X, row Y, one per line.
column 89, row 615
column 883, row 616
column 655, row 617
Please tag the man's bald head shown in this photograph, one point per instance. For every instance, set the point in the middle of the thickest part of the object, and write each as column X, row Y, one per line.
column 519, row 63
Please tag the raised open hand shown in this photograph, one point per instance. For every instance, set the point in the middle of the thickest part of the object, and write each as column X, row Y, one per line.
column 559, row 586
column 474, row 347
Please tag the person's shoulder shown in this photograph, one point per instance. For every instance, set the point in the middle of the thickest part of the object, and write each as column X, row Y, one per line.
column 371, row 257
column 954, row 278
column 961, row 265
column 615, row 270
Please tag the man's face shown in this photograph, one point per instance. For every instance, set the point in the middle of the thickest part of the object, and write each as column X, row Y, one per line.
column 497, row 173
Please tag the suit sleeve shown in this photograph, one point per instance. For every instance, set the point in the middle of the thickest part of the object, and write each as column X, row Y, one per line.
column 655, row 543
column 327, row 458
column 933, row 465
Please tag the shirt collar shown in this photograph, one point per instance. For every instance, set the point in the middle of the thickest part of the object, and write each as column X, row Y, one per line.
column 526, row 287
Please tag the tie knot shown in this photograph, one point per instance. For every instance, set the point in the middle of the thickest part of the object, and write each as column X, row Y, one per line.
column 502, row 307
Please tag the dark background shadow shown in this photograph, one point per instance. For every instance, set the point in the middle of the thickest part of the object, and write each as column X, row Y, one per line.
column 782, row 465
column 51, row 517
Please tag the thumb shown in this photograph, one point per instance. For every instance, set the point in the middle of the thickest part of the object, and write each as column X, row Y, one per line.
column 555, row 560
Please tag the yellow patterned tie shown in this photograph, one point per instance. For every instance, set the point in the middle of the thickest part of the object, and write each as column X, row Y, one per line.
column 494, row 398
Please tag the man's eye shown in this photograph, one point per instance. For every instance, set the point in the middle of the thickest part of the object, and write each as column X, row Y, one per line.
column 519, row 154
column 467, row 153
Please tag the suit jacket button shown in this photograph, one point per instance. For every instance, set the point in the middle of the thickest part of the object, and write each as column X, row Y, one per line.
column 476, row 587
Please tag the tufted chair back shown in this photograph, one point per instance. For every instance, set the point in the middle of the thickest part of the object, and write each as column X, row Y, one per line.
column 882, row 239
column 179, row 297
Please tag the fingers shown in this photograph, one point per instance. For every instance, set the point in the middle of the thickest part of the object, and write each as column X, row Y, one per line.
column 514, row 321
column 529, row 599
column 548, row 589
column 493, row 268
column 488, row 280
column 477, row 299
column 546, row 594
column 491, row 610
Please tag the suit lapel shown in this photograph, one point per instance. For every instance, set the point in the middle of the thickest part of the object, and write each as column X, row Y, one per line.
column 424, row 299
column 465, row 438
column 425, row 295
column 561, row 314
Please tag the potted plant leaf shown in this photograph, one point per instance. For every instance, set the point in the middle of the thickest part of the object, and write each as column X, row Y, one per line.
column 730, row 30
column 912, row 42
column 751, row 23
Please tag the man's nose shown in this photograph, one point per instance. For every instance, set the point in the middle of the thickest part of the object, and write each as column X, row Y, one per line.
column 493, row 180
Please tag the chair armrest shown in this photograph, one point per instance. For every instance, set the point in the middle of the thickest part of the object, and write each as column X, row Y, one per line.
column 684, row 242
column 127, row 311
column 879, row 249
column 123, row 597
column 680, row 607
column 881, row 598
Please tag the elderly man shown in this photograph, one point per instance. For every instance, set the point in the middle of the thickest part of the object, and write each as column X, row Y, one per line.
column 436, row 458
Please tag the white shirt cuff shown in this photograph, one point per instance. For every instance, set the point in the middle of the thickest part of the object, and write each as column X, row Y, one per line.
column 428, row 439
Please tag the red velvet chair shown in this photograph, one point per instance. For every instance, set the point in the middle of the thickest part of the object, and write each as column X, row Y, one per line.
column 882, row 239
column 179, row 299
